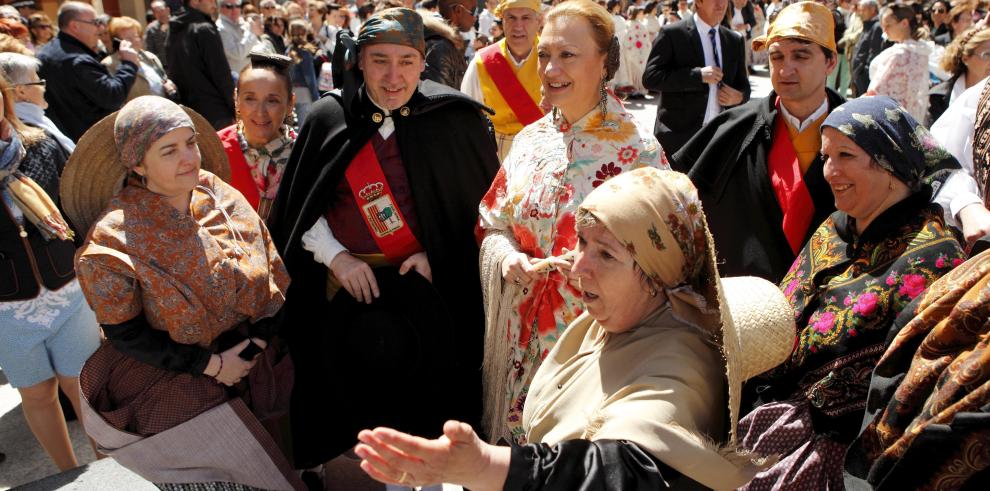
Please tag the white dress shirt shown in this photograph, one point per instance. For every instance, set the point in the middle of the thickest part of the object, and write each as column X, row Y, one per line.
column 706, row 46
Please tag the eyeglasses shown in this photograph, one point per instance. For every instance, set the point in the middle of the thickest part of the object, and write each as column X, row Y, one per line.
column 983, row 55
column 230, row 5
column 470, row 12
column 40, row 83
column 90, row 22
column 938, row 10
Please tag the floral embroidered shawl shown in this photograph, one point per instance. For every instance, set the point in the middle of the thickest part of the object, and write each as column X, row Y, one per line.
column 846, row 291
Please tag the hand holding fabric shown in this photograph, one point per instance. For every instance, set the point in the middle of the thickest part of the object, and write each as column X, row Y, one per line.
column 232, row 367
column 518, row 268
column 355, row 276
column 418, row 262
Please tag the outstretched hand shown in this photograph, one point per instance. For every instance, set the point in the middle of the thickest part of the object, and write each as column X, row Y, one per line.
column 457, row 457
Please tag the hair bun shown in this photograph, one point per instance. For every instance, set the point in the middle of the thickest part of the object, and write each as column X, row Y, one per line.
column 262, row 58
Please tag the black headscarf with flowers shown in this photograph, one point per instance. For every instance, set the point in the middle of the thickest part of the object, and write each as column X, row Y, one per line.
column 895, row 140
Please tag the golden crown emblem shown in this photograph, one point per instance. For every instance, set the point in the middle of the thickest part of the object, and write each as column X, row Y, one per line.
column 372, row 191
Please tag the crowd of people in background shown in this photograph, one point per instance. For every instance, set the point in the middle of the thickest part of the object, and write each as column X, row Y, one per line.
column 184, row 194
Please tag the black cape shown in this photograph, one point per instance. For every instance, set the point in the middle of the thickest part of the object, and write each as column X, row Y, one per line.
column 448, row 149
column 727, row 162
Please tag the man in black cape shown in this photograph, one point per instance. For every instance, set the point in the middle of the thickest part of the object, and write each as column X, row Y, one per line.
column 758, row 167
column 373, row 259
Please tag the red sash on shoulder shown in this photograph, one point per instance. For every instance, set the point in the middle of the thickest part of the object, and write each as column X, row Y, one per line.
column 788, row 185
column 515, row 95
column 374, row 198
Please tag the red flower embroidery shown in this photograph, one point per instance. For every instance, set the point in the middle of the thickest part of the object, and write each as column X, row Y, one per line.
column 628, row 154
column 639, row 44
column 913, row 285
column 607, row 172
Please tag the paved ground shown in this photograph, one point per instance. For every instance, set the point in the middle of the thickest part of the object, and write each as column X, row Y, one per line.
column 27, row 462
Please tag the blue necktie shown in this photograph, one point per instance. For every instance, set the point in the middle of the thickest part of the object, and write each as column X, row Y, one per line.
column 711, row 36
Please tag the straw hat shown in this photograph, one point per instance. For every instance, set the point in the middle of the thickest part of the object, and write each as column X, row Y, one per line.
column 93, row 175
column 758, row 330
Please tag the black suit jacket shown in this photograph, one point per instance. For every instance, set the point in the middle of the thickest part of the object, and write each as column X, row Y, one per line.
column 674, row 70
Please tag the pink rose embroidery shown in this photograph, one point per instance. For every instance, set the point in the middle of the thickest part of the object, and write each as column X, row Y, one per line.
column 892, row 279
column 940, row 262
column 791, row 287
column 824, row 322
column 956, row 262
column 912, row 285
column 866, row 304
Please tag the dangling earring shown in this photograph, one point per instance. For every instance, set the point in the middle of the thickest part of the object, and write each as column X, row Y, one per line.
column 603, row 100
column 290, row 117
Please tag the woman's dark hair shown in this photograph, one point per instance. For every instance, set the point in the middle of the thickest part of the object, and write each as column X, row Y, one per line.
column 650, row 7
column 280, row 65
column 611, row 5
column 270, row 21
column 902, row 12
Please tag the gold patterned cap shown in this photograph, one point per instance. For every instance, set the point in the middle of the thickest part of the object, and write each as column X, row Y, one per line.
column 809, row 21
column 533, row 5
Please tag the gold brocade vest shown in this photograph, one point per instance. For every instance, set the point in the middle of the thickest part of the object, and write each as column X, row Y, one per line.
column 505, row 120
column 807, row 143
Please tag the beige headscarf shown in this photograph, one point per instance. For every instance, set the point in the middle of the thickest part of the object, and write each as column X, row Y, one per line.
column 658, row 216
column 662, row 384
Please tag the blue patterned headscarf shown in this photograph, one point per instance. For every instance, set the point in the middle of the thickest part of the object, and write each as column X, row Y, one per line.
column 894, row 139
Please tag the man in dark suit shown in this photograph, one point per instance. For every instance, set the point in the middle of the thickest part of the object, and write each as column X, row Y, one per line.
column 699, row 68
column 81, row 91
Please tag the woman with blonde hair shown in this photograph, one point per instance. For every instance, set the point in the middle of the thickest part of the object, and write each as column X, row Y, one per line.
column 967, row 59
column 151, row 78
column 528, row 214
column 46, row 329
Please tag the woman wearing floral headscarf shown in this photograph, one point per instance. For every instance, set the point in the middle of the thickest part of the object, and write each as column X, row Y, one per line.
column 863, row 265
column 528, row 214
column 642, row 390
column 186, row 283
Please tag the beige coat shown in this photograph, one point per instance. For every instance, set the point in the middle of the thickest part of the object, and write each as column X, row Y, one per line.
column 141, row 86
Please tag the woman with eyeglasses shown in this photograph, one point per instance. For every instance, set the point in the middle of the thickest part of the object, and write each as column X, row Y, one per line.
column 939, row 18
column 28, row 92
column 967, row 59
column 47, row 331
column 41, row 29
column 151, row 78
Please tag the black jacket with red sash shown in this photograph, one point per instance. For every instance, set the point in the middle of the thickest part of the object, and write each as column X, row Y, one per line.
column 727, row 161
column 448, row 150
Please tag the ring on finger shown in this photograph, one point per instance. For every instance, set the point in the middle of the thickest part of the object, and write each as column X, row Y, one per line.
column 402, row 478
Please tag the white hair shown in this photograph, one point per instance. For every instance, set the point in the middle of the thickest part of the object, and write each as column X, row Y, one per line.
column 17, row 68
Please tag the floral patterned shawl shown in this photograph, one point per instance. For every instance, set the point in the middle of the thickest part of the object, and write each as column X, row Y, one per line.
column 927, row 420
column 267, row 164
column 193, row 275
column 846, row 291
column 552, row 166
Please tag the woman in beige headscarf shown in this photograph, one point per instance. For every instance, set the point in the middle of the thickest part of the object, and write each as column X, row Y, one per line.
column 639, row 380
